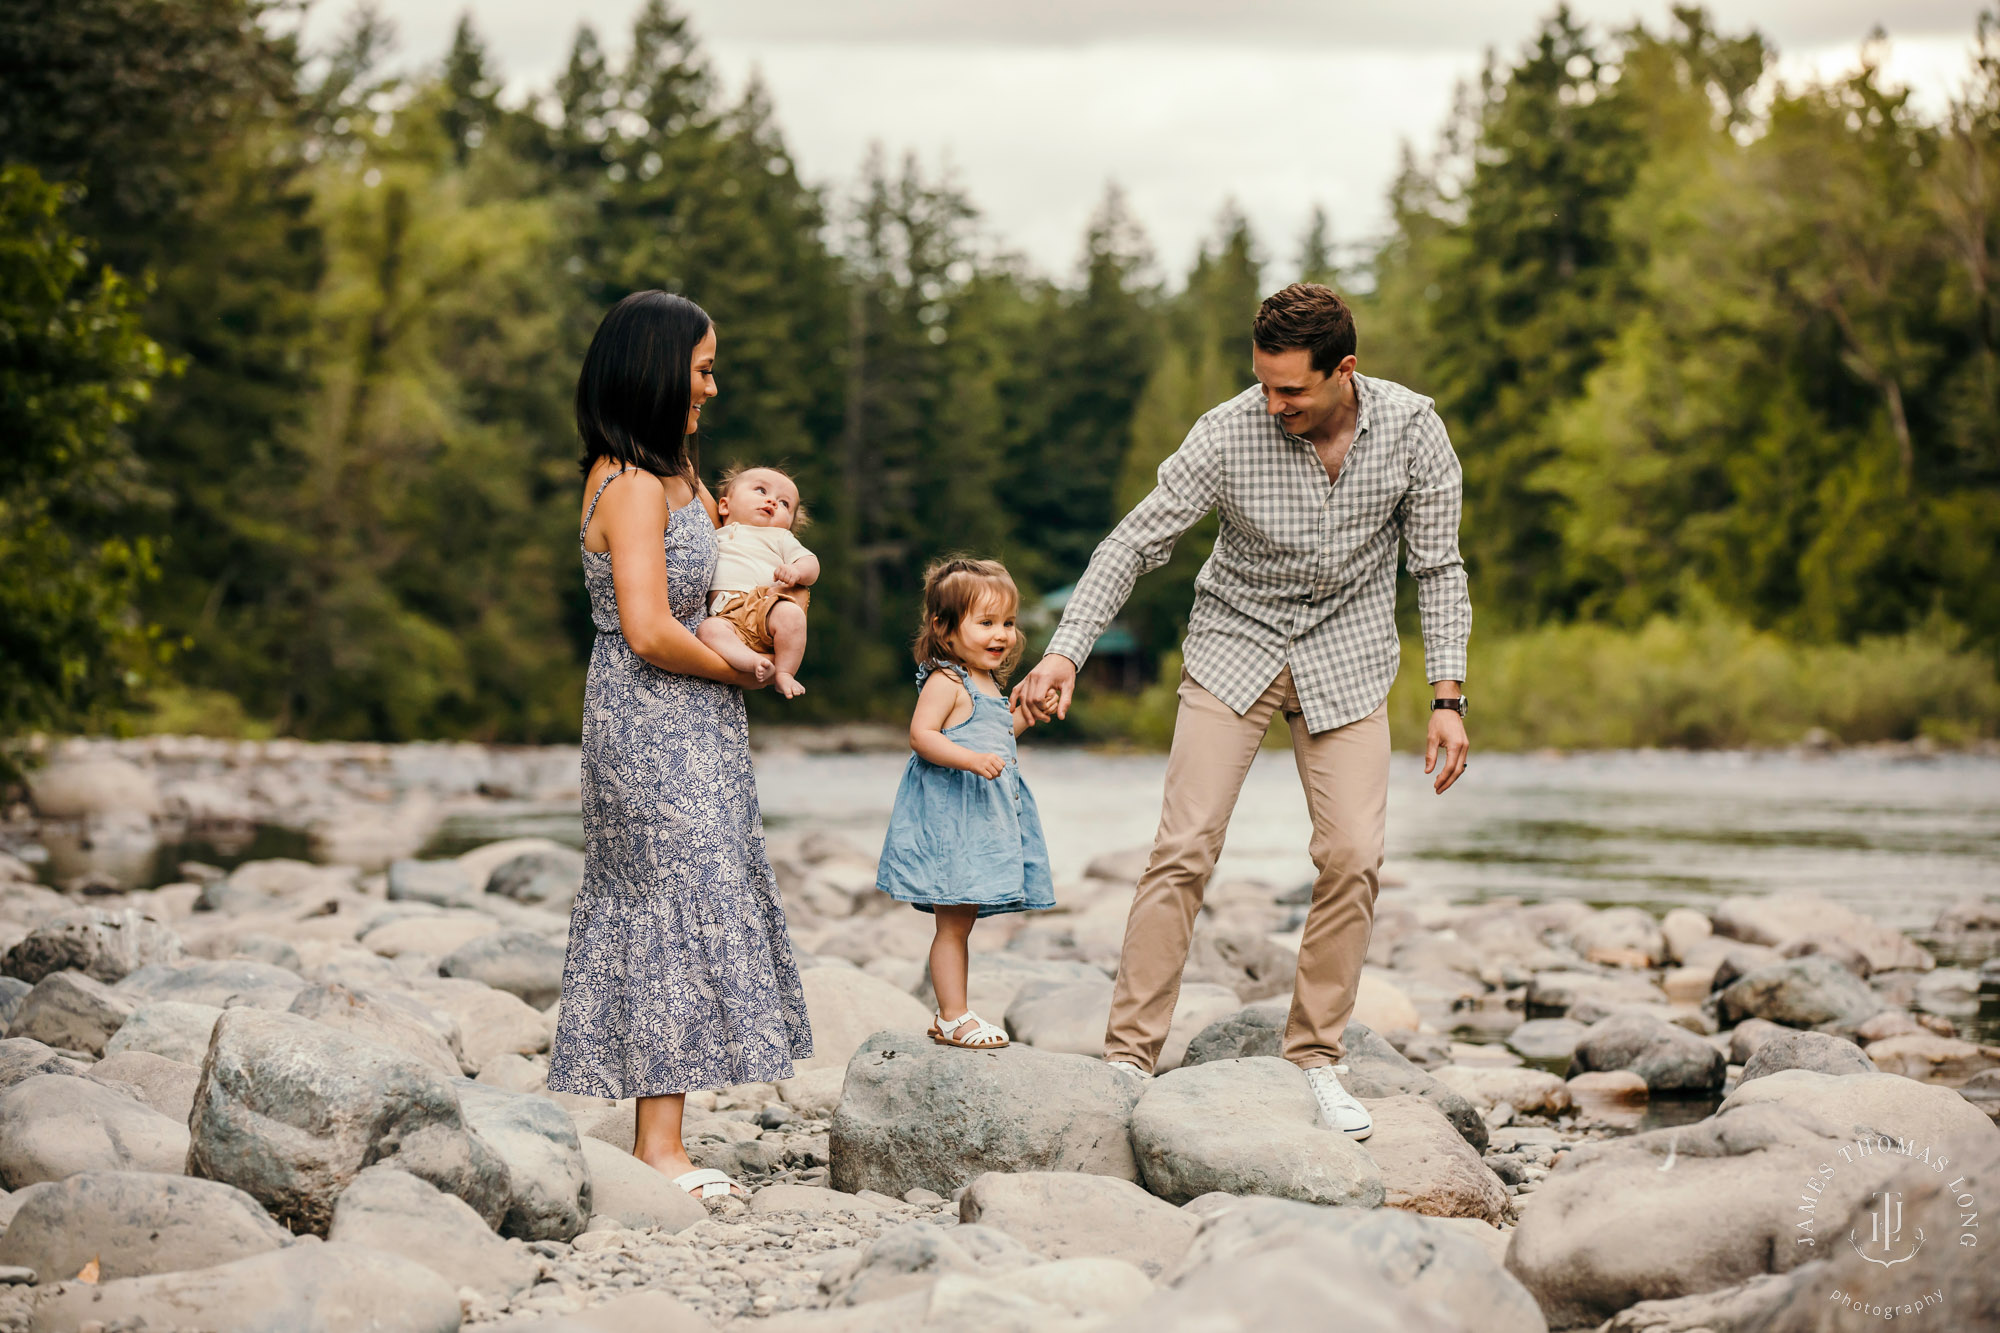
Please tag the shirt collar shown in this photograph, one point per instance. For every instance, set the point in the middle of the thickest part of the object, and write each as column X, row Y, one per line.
column 1362, row 399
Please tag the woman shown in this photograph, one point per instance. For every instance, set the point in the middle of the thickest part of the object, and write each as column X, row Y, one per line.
column 679, row 973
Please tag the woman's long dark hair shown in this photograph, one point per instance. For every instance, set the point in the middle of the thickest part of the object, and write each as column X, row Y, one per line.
column 633, row 393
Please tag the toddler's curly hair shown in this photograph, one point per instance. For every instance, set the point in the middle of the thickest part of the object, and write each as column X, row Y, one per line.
column 953, row 588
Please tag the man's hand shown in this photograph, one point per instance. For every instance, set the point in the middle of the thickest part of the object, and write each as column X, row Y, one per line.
column 1447, row 733
column 1046, row 691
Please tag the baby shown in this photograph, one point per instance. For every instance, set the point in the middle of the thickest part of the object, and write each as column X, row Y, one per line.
column 757, row 599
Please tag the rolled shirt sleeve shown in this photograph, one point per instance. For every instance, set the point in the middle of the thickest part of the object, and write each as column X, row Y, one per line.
column 1186, row 488
column 1429, row 518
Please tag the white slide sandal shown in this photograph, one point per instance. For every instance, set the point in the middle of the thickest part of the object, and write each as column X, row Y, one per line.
column 707, row 1183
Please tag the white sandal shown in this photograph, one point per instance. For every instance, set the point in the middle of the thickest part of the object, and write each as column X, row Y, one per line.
column 983, row 1037
column 707, row 1183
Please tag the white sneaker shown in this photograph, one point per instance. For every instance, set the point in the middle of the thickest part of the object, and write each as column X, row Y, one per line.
column 1337, row 1107
column 1129, row 1070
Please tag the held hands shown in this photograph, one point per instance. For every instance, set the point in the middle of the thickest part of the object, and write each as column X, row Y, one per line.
column 1447, row 734
column 1046, row 691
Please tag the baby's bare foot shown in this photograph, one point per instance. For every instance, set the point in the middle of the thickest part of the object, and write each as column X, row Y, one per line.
column 763, row 670
column 788, row 685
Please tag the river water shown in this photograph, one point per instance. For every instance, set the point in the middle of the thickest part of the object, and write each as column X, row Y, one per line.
column 1894, row 837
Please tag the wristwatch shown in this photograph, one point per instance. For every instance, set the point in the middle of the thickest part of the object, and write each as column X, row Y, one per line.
column 1455, row 705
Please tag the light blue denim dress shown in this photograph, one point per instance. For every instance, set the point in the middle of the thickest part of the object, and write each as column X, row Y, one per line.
column 956, row 838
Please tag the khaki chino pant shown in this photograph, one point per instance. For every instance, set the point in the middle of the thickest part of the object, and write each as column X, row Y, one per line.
column 1345, row 772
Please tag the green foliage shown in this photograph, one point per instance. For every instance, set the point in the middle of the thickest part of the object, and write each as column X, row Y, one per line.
column 1722, row 367
column 75, row 368
column 1704, row 679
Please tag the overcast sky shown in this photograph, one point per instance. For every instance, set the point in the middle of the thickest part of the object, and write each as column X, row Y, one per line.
column 1035, row 105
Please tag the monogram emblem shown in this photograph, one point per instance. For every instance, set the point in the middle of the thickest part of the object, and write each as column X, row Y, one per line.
column 1885, row 1231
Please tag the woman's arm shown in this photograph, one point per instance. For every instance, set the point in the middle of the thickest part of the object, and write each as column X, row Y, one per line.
column 635, row 524
column 927, row 736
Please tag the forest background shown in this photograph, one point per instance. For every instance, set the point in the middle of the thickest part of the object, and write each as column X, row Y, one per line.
column 287, row 347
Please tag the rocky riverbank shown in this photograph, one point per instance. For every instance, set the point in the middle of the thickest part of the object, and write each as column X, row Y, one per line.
column 309, row 1094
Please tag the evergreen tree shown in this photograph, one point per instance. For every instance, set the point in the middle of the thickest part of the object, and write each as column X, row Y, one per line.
column 75, row 367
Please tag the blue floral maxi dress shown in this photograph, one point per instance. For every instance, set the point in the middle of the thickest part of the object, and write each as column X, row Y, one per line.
column 679, row 973
column 956, row 838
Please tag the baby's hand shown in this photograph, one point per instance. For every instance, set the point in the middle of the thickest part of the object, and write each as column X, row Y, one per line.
column 786, row 576
column 988, row 766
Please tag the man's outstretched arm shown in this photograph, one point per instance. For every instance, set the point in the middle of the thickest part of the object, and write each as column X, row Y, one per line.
column 1186, row 490
column 1430, row 518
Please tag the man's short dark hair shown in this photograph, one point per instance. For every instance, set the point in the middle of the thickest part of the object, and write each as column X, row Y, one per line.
column 1306, row 315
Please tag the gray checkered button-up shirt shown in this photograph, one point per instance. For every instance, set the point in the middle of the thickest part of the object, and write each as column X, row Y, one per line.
column 1304, row 570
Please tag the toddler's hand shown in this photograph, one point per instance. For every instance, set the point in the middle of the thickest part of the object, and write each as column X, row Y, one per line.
column 989, row 766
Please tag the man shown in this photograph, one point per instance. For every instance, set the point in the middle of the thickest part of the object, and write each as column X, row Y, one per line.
column 1317, row 473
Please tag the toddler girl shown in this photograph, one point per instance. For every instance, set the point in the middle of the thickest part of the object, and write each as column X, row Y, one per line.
column 964, row 838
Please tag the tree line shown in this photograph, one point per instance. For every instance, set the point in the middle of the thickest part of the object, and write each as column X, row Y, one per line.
column 290, row 342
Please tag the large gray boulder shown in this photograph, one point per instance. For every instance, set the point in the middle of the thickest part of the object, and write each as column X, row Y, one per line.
column 398, row 1021
column 548, row 1182
column 1870, row 1105
column 300, row 1289
column 547, row 877
column 1547, row 1041
column 846, row 1007
column 918, row 1254
column 1071, row 1016
column 277, row 882
column 520, row 962
column 1810, row 992
column 1066, row 1214
column 72, row 1011
column 175, row 1029
column 1821, row 1052
column 390, row 1209
column 291, row 1111
column 107, row 945
column 916, row 1115
column 1676, row 1212
column 1960, row 1283
column 1375, row 1068
column 13, row 990
column 222, row 983
column 153, row 1080
column 442, row 883
column 55, row 1125
column 1779, row 919
column 135, row 1223
column 1426, row 1166
column 1247, row 1126
column 1262, row 1264
column 624, row 1187
column 83, row 786
column 23, row 1058
column 491, row 1022
column 1671, row 1059
column 993, row 980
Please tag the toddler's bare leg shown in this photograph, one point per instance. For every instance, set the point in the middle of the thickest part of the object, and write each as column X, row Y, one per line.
column 720, row 635
column 950, row 962
column 788, row 645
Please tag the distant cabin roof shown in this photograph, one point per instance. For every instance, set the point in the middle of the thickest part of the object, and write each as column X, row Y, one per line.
column 1116, row 637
